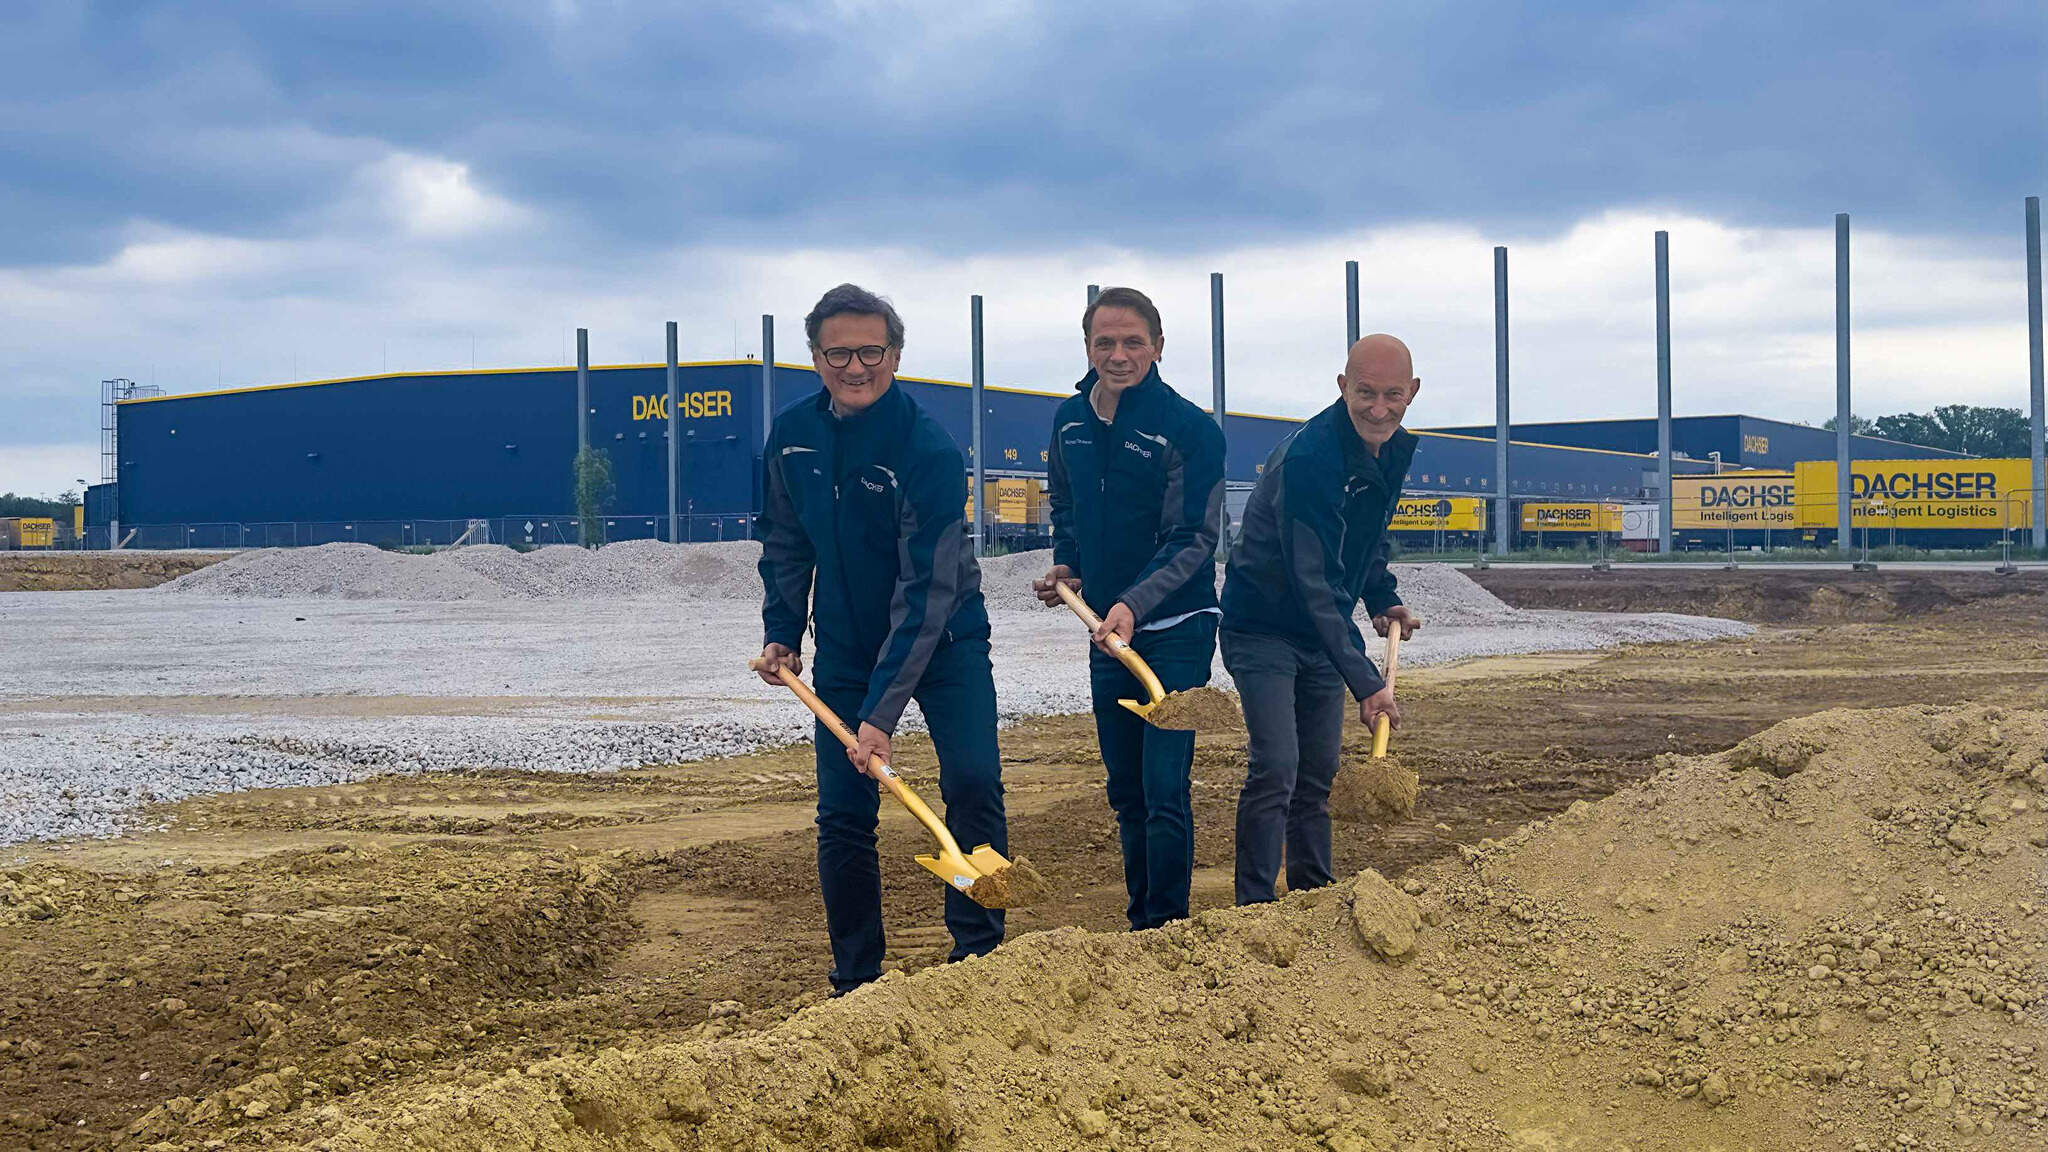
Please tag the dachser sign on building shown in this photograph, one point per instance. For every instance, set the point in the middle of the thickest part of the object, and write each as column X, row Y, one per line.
column 1918, row 493
column 1740, row 500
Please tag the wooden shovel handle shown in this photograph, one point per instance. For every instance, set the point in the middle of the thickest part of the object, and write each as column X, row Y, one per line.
column 877, row 767
column 1117, row 647
column 1382, row 729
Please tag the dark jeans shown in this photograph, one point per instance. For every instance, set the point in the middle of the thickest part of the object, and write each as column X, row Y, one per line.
column 1294, row 703
column 1148, row 767
column 958, row 696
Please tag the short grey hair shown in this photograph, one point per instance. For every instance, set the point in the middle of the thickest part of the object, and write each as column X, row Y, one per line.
column 854, row 299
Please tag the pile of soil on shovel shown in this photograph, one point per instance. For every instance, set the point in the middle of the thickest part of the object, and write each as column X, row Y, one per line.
column 1209, row 710
column 1828, row 937
column 1018, row 886
column 1374, row 788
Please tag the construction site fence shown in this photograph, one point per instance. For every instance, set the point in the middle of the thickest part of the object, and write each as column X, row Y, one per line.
column 536, row 531
column 1744, row 512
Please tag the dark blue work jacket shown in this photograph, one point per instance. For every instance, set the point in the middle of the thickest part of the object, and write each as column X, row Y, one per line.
column 870, row 509
column 1137, row 503
column 1314, row 542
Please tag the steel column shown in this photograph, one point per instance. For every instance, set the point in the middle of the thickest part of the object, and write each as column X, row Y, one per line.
column 1350, row 305
column 1502, row 506
column 1094, row 290
column 675, row 443
column 1842, row 414
column 767, row 377
column 2040, row 402
column 1216, row 342
column 582, row 389
column 975, row 394
column 1664, row 390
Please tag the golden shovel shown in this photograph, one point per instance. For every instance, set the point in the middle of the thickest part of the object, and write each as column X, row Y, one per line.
column 1195, row 708
column 1381, row 788
column 1382, row 729
column 983, row 874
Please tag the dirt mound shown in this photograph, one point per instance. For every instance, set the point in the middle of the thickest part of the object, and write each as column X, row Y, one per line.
column 92, row 571
column 1760, row 594
column 232, row 993
column 1829, row 935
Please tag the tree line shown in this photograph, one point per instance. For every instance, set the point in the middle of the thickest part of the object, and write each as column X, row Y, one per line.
column 58, row 509
column 1970, row 428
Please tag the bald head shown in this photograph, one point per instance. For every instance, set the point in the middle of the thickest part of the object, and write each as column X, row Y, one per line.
column 1378, row 384
column 1380, row 355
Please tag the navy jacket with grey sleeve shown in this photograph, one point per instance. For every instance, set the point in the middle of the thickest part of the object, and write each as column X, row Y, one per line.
column 869, row 508
column 1137, row 503
column 1314, row 542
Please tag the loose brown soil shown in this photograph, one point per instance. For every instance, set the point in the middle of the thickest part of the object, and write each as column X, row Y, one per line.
column 1761, row 595
column 87, row 571
column 1374, row 788
column 1018, row 886
column 265, row 956
column 1210, row 710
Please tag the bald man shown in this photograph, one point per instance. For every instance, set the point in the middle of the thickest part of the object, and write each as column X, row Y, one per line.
column 1313, row 545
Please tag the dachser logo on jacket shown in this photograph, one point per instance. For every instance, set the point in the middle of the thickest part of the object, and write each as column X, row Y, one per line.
column 1140, row 449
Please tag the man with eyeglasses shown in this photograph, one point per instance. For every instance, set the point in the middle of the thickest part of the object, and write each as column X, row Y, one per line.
column 1313, row 545
column 862, row 534
column 1136, row 485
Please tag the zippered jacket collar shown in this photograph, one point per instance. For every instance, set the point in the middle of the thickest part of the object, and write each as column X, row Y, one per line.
column 887, row 406
column 1142, row 387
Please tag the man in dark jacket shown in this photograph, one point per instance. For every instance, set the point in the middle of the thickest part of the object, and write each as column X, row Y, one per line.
column 1136, row 486
column 862, row 531
column 1313, row 544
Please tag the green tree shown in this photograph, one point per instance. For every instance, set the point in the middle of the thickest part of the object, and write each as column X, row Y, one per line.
column 12, row 505
column 1858, row 425
column 594, row 490
column 1977, row 430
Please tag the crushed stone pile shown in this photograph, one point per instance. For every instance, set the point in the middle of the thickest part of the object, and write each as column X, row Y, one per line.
column 1829, row 937
column 1442, row 594
column 646, row 569
column 628, row 570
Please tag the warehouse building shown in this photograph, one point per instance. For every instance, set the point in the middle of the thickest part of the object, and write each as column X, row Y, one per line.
column 423, row 458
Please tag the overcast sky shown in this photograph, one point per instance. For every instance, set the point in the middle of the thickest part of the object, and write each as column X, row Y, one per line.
column 199, row 196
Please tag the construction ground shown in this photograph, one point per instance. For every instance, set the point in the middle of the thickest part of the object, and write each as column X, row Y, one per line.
column 1770, row 891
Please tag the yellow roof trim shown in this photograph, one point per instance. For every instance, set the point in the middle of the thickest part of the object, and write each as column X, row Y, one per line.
column 547, row 368
column 1540, row 444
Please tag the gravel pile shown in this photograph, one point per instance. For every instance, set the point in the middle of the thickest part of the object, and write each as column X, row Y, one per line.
column 650, row 569
column 628, row 570
column 1442, row 594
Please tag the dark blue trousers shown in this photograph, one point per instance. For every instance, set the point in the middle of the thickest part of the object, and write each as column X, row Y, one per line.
column 958, row 696
column 1148, row 768
column 1294, row 703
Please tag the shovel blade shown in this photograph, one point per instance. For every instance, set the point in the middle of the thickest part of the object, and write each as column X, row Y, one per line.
column 953, row 868
column 986, row 861
column 1143, row 711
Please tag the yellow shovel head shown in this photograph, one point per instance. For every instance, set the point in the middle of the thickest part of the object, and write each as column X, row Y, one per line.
column 953, row 868
column 962, row 871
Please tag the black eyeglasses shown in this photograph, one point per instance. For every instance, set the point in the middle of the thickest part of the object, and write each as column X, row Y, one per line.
column 870, row 355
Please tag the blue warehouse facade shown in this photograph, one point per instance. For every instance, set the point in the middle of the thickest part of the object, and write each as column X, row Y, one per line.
column 412, row 458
